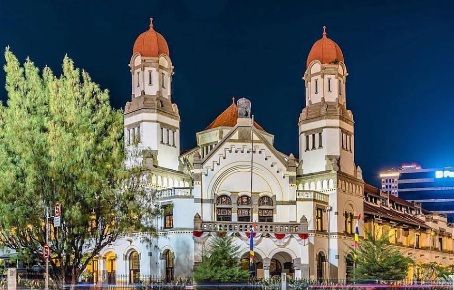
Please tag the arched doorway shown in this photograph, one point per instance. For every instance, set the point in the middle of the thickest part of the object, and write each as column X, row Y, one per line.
column 349, row 268
column 169, row 258
column 281, row 262
column 111, row 266
column 134, row 267
column 257, row 267
column 321, row 260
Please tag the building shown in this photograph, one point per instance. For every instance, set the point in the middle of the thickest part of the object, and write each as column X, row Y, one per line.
column 433, row 188
column 303, row 208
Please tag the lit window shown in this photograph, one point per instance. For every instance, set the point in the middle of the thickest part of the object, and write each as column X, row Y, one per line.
column 168, row 216
column 319, row 219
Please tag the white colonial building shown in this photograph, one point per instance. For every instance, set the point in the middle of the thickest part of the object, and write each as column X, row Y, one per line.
column 235, row 177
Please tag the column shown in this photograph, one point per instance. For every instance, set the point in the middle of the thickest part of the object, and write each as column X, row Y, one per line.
column 297, row 267
column 266, row 268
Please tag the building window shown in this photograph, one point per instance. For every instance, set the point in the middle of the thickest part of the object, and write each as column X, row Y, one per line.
column 316, row 86
column 307, row 142
column 440, row 243
column 348, row 222
column 265, row 209
column 128, row 137
column 150, row 80
column 173, row 138
column 313, row 141
column 168, row 216
column 223, row 208
column 319, row 219
column 320, row 142
column 168, row 136
column 162, row 135
column 163, row 76
column 417, row 241
column 244, row 210
column 138, row 79
column 329, row 85
column 340, row 87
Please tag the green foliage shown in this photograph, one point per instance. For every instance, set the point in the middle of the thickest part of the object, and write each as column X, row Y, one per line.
column 376, row 259
column 433, row 271
column 61, row 141
column 221, row 265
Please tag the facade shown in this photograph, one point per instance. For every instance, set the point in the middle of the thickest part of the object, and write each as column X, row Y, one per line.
column 303, row 209
column 433, row 188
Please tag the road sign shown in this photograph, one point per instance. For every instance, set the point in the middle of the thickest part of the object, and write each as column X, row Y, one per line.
column 57, row 221
column 46, row 252
column 57, row 209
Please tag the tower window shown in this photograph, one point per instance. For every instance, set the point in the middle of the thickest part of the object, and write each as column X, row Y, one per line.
column 163, row 80
column 319, row 219
column 340, row 87
column 329, row 84
column 162, row 135
column 313, row 141
column 150, row 80
column 320, row 144
column 316, row 86
column 138, row 79
column 307, row 142
column 168, row 136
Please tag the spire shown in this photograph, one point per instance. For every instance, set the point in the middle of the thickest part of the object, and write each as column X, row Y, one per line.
column 151, row 22
column 324, row 31
column 233, row 100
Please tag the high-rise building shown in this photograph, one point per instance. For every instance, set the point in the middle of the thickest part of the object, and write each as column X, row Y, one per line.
column 433, row 188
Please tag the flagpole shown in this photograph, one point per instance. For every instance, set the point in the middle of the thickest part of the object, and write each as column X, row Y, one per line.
column 251, row 237
column 252, row 152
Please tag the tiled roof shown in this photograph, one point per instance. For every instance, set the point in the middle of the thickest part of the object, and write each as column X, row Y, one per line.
column 325, row 50
column 393, row 215
column 228, row 118
column 150, row 43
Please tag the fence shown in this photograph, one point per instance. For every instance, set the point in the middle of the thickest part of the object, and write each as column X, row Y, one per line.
column 155, row 282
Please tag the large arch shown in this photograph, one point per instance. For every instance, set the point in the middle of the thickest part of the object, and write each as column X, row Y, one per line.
column 281, row 262
column 267, row 178
column 133, row 259
column 320, row 260
column 110, row 260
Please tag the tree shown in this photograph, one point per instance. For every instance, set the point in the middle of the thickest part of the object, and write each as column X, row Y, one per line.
column 376, row 259
column 221, row 264
column 60, row 141
column 433, row 271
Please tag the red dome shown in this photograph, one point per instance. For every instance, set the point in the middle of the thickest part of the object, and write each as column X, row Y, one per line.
column 150, row 43
column 325, row 50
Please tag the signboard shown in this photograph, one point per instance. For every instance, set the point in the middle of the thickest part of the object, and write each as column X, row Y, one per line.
column 444, row 174
column 46, row 252
column 57, row 221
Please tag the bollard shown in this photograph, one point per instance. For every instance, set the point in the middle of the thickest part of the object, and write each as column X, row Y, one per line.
column 283, row 281
column 12, row 279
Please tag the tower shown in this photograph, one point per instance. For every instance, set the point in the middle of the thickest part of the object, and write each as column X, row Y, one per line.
column 326, row 127
column 152, row 121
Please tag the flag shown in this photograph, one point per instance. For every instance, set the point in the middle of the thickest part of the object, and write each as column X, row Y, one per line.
column 251, row 248
column 357, row 230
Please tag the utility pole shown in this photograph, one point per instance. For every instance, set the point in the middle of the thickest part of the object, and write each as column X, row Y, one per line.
column 46, row 287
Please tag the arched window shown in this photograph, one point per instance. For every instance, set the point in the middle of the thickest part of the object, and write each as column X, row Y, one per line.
column 223, row 208
column 348, row 222
column 169, row 259
column 244, row 208
column 134, row 267
column 265, row 209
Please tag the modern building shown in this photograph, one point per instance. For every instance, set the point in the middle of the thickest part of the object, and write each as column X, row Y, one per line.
column 433, row 188
column 303, row 209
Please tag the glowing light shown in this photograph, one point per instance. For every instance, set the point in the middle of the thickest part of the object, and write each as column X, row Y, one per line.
column 444, row 174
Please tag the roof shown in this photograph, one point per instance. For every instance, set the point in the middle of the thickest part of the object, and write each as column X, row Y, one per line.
column 150, row 43
column 393, row 215
column 325, row 50
column 228, row 118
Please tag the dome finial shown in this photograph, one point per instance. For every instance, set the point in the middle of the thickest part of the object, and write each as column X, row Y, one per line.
column 151, row 22
column 324, row 30
column 233, row 100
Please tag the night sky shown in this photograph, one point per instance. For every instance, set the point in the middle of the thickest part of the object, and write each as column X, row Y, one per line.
column 399, row 55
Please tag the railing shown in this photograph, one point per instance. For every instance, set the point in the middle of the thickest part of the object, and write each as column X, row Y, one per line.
column 174, row 192
column 285, row 228
column 312, row 195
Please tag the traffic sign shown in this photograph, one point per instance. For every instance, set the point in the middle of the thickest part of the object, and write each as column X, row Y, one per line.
column 57, row 221
column 57, row 209
column 46, row 251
